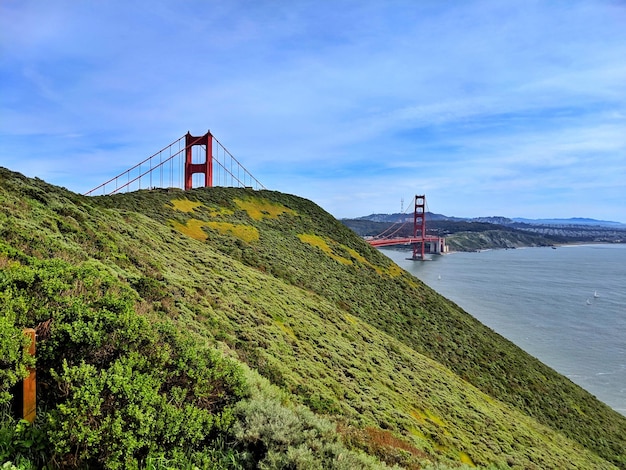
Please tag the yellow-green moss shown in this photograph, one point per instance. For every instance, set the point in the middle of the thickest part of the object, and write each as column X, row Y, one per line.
column 422, row 415
column 219, row 211
column 285, row 328
column 356, row 255
column 466, row 459
column 185, row 205
column 322, row 244
column 246, row 233
column 193, row 228
column 392, row 271
column 262, row 208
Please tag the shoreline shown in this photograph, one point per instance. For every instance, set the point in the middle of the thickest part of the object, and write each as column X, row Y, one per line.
column 523, row 247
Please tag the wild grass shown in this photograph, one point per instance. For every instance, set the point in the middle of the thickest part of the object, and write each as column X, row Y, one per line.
column 364, row 365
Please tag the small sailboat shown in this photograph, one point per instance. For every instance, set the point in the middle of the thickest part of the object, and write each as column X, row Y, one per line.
column 595, row 294
column 588, row 301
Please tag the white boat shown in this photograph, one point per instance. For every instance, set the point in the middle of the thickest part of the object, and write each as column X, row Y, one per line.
column 595, row 294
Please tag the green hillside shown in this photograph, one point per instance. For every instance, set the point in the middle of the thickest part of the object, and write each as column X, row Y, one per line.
column 232, row 328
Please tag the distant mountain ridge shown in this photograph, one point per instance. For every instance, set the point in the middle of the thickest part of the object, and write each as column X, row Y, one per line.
column 401, row 217
column 470, row 234
column 499, row 220
column 571, row 221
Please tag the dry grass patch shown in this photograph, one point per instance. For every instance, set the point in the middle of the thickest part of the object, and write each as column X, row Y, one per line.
column 385, row 445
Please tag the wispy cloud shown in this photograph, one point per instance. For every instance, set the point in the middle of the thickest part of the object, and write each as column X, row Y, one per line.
column 484, row 105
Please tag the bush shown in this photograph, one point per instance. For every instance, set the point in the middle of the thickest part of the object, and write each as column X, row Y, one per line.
column 274, row 435
column 148, row 403
column 13, row 360
column 22, row 445
column 120, row 390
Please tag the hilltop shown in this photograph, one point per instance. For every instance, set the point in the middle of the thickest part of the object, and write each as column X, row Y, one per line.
column 233, row 328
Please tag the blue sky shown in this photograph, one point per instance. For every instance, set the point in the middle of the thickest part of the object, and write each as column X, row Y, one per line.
column 511, row 107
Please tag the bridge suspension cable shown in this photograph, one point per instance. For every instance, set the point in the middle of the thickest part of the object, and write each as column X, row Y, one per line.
column 178, row 164
column 419, row 240
column 384, row 233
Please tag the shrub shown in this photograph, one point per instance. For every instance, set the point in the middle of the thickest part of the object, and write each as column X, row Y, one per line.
column 22, row 445
column 275, row 435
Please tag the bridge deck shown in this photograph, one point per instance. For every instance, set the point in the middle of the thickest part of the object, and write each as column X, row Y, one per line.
column 401, row 241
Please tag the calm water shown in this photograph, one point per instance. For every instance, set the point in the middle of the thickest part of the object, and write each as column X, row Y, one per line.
column 567, row 307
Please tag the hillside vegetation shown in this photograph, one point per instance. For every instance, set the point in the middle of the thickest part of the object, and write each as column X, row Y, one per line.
column 232, row 328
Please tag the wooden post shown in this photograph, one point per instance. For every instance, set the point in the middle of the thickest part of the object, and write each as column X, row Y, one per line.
column 25, row 398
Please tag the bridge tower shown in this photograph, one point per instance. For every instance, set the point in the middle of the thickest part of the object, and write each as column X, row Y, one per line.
column 205, row 167
column 419, row 227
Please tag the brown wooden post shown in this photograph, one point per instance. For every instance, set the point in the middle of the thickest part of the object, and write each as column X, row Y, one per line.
column 26, row 395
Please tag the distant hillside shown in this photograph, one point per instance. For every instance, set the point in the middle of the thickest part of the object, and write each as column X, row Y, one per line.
column 401, row 217
column 492, row 232
column 571, row 221
column 232, row 328
column 574, row 221
column 461, row 235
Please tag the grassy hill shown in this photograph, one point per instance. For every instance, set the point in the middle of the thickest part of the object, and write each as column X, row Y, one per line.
column 232, row 328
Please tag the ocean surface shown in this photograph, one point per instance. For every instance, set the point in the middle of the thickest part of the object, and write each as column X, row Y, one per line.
column 565, row 306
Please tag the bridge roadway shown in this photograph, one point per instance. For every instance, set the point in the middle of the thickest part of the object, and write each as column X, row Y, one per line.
column 401, row 241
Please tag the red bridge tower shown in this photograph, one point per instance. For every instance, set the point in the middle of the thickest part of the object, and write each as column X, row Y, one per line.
column 419, row 227
column 205, row 167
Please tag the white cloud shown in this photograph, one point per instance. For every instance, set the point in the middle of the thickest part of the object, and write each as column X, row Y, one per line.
column 375, row 98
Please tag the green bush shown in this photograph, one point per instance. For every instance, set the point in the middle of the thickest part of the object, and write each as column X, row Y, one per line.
column 22, row 445
column 272, row 434
column 13, row 361
column 119, row 389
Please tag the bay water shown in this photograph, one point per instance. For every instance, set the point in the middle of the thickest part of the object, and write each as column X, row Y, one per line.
column 565, row 306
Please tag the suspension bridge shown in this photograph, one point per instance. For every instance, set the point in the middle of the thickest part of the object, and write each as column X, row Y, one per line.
column 186, row 163
column 419, row 240
column 202, row 161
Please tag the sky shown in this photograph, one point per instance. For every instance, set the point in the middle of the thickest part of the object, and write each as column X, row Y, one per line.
column 512, row 108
